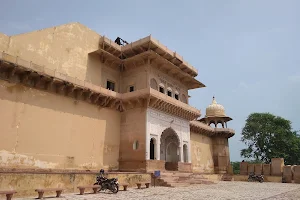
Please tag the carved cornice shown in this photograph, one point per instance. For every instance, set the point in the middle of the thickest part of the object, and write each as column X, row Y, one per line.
column 15, row 69
column 144, row 45
column 148, row 57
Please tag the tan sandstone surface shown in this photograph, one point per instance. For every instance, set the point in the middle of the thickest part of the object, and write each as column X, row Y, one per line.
column 221, row 190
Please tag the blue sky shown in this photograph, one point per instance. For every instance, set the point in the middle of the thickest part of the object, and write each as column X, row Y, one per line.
column 247, row 52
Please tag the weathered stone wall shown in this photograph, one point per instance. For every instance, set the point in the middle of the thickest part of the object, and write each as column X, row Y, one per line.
column 4, row 42
column 66, row 49
column 296, row 173
column 274, row 171
column 277, row 165
column 136, row 77
column 287, row 174
column 243, row 168
column 276, row 179
column 221, row 154
column 45, row 130
column 133, row 140
column 26, row 183
column 201, row 153
column 266, row 169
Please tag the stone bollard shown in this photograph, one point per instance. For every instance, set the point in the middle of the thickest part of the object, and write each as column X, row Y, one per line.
column 287, row 173
column 277, row 165
column 258, row 169
column 266, row 169
column 243, row 168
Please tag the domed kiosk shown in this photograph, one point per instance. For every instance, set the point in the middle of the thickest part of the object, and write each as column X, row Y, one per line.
column 215, row 114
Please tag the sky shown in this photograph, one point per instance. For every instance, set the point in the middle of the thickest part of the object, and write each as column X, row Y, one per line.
column 247, row 52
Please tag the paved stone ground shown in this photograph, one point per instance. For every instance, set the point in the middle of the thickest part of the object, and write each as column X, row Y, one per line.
column 221, row 190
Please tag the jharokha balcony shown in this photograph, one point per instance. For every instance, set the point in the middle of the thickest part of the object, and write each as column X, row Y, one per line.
column 199, row 127
column 17, row 70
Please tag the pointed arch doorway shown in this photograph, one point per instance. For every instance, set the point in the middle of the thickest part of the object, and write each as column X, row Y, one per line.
column 170, row 149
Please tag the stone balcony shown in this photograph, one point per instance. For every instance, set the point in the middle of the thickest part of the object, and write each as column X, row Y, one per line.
column 199, row 127
column 149, row 97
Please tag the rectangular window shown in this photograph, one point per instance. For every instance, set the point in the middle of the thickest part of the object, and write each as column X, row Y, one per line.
column 169, row 93
column 176, row 96
column 131, row 88
column 110, row 85
column 161, row 89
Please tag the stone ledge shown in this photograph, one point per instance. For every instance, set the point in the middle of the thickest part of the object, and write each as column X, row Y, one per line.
column 59, row 171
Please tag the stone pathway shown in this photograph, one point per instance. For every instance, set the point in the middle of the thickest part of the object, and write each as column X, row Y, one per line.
column 222, row 190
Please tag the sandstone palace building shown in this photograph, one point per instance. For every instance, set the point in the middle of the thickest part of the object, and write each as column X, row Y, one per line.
column 73, row 99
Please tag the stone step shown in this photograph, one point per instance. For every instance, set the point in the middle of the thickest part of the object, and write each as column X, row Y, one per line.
column 178, row 179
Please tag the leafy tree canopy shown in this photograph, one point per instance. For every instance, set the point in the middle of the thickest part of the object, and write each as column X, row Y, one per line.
column 267, row 136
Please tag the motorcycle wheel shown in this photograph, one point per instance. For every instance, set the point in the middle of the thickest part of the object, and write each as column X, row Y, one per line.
column 115, row 188
column 261, row 180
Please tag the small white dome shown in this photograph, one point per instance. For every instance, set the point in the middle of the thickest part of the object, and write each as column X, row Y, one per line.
column 215, row 109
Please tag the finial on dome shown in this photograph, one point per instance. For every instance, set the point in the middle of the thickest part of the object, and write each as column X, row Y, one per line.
column 214, row 100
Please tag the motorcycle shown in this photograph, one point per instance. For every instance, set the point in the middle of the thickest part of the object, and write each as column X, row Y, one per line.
column 252, row 177
column 107, row 184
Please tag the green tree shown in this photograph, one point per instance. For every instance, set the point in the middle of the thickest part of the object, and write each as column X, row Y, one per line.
column 236, row 167
column 267, row 136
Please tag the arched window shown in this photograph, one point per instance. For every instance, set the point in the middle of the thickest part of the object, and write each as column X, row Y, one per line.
column 169, row 92
column 212, row 124
column 161, row 88
column 176, row 95
column 153, row 84
column 220, row 124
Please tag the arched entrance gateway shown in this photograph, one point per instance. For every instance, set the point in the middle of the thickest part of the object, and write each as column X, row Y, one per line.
column 170, row 149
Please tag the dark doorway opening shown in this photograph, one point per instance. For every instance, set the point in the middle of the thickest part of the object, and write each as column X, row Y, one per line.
column 152, row 146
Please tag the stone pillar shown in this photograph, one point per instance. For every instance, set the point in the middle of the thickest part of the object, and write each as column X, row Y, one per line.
column 181, row 153
column 147, row 152
column 277, row 165
column 157, row 149
column 189, row 152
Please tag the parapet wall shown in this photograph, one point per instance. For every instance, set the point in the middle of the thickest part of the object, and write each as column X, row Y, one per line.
column 276, row 168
